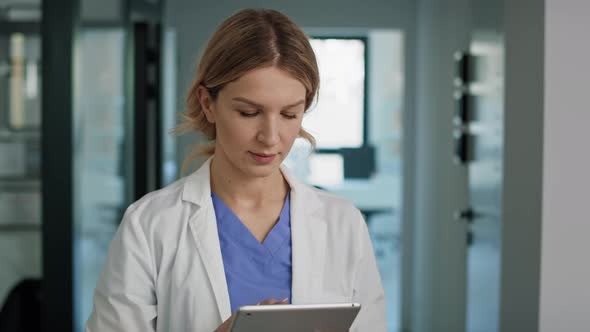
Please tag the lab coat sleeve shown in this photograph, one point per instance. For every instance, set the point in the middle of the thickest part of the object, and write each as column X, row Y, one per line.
column 368, row 290
column 124, row 298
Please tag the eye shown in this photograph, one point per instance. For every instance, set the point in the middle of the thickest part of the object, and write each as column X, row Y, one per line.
column 248, row 114
column 290, row 116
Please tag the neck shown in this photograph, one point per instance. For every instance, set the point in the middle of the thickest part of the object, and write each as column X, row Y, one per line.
column 235, row 187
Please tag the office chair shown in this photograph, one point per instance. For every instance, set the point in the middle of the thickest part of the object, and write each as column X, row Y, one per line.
column 21, row 311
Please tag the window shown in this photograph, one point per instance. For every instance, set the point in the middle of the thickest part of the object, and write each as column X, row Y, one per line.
column 338, row 119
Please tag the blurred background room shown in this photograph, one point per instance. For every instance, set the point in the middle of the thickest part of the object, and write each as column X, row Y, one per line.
column 457, row 127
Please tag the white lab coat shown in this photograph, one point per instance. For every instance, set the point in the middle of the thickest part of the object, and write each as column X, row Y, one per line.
column 164, row 270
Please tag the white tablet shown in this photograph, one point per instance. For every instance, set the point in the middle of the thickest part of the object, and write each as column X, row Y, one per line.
column 295, row 317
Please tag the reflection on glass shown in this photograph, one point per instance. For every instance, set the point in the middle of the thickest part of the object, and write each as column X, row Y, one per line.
column 24, row 96
column 20, row 188
column 13, row 159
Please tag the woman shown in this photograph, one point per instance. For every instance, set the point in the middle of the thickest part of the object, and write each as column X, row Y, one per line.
column 241, row 229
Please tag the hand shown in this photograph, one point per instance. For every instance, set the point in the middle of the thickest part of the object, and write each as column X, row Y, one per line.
column 226, row 325
column 273, row 301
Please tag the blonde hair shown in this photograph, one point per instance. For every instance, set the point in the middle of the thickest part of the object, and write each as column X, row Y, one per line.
column 249, row 39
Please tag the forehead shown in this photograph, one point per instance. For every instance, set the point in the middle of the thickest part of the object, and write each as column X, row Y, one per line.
column 269, row 86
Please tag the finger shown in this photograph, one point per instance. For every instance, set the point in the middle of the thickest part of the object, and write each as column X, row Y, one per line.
column 225, row 326
column 269, row 302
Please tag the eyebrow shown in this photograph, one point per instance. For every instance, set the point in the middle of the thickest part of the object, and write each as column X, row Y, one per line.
column 250, row 102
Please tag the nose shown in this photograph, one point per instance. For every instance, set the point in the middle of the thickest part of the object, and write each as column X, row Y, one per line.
column 268, row 134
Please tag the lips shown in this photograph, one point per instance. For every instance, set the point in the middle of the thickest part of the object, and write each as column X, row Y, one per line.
column 262, row 158
column 264, row 155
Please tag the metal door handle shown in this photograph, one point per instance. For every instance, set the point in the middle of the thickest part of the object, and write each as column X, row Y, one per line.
column 467, row 215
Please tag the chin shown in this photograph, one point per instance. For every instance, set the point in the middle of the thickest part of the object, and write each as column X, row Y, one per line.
column 260, row 171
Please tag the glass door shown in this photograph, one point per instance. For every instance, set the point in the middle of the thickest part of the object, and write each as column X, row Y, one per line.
column 117, row 138
column 99, row 156
column 20, row 135
column 486, row 129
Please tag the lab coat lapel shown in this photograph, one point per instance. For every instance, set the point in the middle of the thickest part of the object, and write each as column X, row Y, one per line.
column 308, row 236
column 203, row 226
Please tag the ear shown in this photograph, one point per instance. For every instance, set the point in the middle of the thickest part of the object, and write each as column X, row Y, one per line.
column 206, row 102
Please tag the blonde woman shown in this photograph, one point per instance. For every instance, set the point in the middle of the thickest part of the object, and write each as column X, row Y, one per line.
column 241, row 229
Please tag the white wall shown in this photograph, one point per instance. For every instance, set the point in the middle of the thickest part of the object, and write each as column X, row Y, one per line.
column 565, row 267
column 523, row 140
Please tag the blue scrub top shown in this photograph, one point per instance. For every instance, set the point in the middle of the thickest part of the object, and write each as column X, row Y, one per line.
column 254, row 271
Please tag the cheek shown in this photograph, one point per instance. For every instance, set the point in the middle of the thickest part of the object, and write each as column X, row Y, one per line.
column 292, row 131
column 232, row 133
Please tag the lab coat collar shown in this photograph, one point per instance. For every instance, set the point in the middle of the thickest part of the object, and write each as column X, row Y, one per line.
column 308, row 234
column 197, row 188
column 203, row 226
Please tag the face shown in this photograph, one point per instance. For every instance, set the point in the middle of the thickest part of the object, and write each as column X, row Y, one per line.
column 257, row 119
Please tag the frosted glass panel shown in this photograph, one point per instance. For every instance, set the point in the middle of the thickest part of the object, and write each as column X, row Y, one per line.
column 99, row 108
column 20, row 185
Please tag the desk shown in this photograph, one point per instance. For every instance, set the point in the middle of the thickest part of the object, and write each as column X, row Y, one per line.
column 375, row 195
